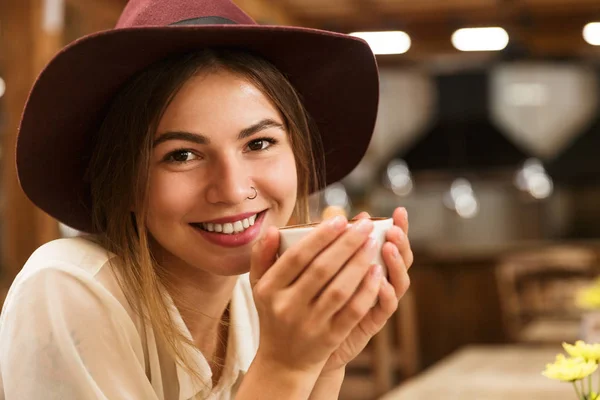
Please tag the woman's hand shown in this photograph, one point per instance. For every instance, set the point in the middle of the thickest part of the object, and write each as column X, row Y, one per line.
column 311, row 298
column 398, row 258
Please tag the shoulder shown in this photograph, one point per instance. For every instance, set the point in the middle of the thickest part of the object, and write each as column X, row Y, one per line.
column 83, row 254
column 70, row 261
column 72, row 272
column 62, row 321
column 66, row 262
column 67, row 290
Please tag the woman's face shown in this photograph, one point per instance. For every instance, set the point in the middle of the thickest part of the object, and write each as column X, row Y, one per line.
column 219, row 138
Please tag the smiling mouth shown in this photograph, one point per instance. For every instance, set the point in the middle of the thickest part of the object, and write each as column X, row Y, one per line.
column 229, row 228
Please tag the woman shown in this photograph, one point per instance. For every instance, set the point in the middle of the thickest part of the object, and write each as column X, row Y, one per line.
column 180, row 141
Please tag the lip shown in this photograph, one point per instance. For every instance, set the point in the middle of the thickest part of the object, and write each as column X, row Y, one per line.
column 236, row 239
column 232, row 218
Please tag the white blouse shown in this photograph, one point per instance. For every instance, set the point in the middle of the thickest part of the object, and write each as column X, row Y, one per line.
column 67, row 332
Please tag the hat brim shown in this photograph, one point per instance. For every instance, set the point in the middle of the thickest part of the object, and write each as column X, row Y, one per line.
column 336, row 76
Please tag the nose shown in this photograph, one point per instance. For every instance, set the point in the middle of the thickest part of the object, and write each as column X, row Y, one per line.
column 229, row 181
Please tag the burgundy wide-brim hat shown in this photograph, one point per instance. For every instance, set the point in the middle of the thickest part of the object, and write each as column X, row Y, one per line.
column 336, row 76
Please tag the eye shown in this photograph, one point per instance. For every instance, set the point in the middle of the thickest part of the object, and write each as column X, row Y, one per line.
column 180, row 156
column 260, row 144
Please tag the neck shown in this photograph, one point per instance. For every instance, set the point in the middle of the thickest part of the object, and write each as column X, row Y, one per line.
column 202, row 300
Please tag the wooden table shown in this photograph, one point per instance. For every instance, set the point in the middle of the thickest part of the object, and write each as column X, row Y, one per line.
column 501, row 372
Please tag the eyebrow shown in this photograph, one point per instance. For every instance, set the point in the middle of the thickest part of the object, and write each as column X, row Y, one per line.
column 201, row 139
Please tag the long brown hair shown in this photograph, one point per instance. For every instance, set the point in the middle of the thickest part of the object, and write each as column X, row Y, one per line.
column 119, row 170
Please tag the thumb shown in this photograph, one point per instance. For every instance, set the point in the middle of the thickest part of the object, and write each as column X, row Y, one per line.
column 264, row 254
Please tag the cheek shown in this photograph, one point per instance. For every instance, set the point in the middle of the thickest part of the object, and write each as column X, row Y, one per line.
column 281, row 177
column 169, row 195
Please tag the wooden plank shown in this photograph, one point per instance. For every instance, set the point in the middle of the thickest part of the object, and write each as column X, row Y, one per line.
column 436, row 6
column 548, row 4
column 91, row 17
column 47, row 27
column 29, row 40
column 448, row 318
column 18, row 214
column 383, row 360
column 267, row 12
column 488, row 372
column 397, row 13
column 98, row 15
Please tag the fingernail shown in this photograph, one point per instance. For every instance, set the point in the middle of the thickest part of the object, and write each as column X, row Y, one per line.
column 364, row 225
column 395, row 252
column 337, row 222
column 377, row 272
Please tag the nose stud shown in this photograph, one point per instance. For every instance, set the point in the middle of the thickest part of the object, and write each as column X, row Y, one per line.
column 255, row 193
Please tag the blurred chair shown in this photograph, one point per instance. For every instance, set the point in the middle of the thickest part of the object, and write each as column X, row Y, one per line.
column 537, row 292
column 390, row 357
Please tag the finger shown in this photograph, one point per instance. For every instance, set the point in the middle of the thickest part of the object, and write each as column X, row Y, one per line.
column 362, row 214
column 264, row 255
column 400, row 217
column 360, row 304
column 385, row 308
column 294, row 260
column 397, row 271
column 327, row 264
column 345, row 283
column 396, row 236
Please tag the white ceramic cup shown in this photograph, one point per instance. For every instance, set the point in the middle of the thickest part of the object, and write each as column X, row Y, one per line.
column 290, row 235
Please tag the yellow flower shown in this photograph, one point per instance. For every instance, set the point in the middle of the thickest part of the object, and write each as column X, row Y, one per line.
column 588, row 298
column 581, row 349
column 569, row 369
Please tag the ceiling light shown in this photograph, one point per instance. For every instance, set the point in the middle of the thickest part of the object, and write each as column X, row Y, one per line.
column 461, row 198
column 389, row 42
column 591, row 33
column 398, row 178
column 336, row 195
column 480, row 39
column 534, row 179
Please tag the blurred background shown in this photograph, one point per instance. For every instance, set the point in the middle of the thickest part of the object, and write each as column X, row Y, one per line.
column 488, row 133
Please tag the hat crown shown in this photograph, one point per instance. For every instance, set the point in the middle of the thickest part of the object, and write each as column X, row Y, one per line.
column 165, row 12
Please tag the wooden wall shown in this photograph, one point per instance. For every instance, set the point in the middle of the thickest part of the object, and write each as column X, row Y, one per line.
column 25, row 47
column 457, row 303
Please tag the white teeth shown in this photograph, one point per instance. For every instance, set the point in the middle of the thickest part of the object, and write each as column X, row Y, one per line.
column 238, row 227
column 230, row 227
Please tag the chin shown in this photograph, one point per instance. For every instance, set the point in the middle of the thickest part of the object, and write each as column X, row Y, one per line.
column 231, row 271
column 227, row 266
column 234, row 272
